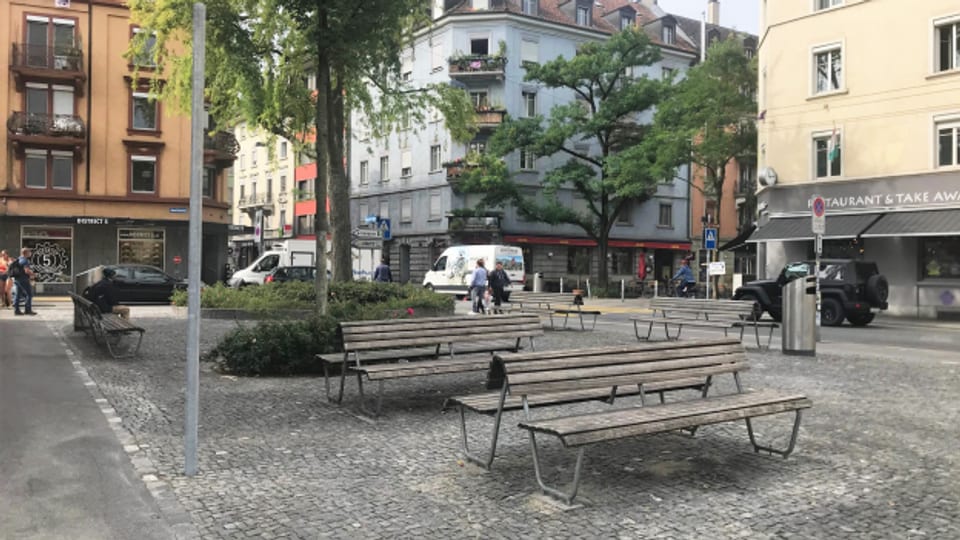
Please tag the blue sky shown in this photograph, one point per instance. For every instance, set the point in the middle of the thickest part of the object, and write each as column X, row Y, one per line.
column 740, row 14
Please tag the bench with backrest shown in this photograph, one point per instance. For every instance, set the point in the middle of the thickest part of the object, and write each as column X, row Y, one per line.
column 383, row 350
column 496, row 403
column 723, row 315
column 612, row 371
column 105, row 328
column 553, row 304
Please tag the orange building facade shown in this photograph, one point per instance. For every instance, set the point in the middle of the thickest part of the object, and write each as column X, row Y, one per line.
column 93, row 170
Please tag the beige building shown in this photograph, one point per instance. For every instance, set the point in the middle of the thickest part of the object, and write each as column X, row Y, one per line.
column 860, row 103
column 92, row 169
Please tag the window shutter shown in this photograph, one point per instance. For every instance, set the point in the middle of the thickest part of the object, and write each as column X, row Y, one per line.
column 406, row 159
column 529, row 51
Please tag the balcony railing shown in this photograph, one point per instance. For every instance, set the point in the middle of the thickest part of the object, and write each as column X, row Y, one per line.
column 477, row 65
column 46, row 63
column 457, row 167
column 221, row 142
column 24, row 124
column 490, row 118
column 262, row 199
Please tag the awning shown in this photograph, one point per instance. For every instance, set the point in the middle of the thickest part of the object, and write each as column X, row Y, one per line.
column 924, row 223
column 799, row 228
column 740, row 240
column 586, row 242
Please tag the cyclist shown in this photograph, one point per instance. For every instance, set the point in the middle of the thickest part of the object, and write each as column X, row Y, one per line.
column 685, row 276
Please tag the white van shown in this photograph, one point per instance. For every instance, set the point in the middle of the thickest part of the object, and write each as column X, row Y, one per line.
column 451, row 272
column 287, row 253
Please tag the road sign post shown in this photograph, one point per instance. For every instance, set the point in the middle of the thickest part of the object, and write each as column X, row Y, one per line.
column 709, row 244
column 819, row 228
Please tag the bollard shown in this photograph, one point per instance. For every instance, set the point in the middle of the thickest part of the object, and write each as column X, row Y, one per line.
column 561, row 285
column 588, row 289
column 623, row 291
column 656, row 285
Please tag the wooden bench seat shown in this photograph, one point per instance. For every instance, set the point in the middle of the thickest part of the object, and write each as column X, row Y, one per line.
column 105, row 328
column 724, row 315
column 383, row 350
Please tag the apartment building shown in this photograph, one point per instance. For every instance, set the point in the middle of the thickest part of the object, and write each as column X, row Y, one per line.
column 872, row 124
column 264, row 187
column 92, row 169
column 409, row 177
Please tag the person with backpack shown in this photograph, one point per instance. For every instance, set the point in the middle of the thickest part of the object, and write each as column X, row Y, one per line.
column 498, row 282
column 5, row 284
column 21, row 273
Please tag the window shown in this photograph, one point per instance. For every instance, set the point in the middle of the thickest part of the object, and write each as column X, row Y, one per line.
column 143, row 174
column 140, row 246
column 209, row 182
column 529, row 52
column 436, row 206
column 441, row 264
column 44, row 34
column 827, row 155
column 940, row 258
column 52, row 252
column 480, row 4
column 528, row 160
column 530, row 7
column 480, row 46
column 305, row 224
column 304, row 190
column 626, row 21
column 145, row 58
column 364, row 172
column 406, row 210
column 253, row 189
column 384, row 210
column 667, row 74
column 364, row 211
column 269, row 189
column 578, row 260
column 626, row 215
column 144, row 114
column 436, row 56
column 478, row 147
column 283, row 150
column 253, row 156
column 241, row 162
column 384, row 168
column 406, row 67
column 621, row 261
column 665, row 219
column 583, row 15
column 529, row 104
column 406, row 164
column 283, row 221
column 826, row 4
column 435, row 158
column 948, row 144
column 747, row 177
column 828, row 69
column 668, row 34
column 947, row 43
column 43, row 169
column 283, row 184
column 480, row 100
column 50, row 99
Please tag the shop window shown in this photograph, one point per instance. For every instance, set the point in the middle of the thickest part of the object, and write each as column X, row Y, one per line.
column 940, row 258
column 140, row 246
column 578, row 260
column 621, row 261
column 52, row 258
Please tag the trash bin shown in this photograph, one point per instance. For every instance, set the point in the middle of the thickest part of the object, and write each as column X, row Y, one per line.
column 799, row 332
column 538, row 282
column 81, row 282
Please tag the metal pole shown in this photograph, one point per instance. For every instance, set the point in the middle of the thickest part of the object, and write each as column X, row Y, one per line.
column 818, row 248
column 195, row 248
column 623, row 291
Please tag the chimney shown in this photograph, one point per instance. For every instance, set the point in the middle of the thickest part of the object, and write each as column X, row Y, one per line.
column 713, row 12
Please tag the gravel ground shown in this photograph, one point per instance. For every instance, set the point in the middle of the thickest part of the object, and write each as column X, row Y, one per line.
column 876, row 458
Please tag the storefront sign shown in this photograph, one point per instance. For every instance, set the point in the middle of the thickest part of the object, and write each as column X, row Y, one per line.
column 938, row 190
column 93, row 221
column 178, row 210
column 52, row 257
column 140, row 246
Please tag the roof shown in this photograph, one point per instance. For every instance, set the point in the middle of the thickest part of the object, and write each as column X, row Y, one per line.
column 691, row 27
column 549, row 10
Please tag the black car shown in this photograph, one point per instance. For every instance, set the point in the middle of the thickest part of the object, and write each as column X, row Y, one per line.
column 143, row 284
column 849, row 289
column 282, row 274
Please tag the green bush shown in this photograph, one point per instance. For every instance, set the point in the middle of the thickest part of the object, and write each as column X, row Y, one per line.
column 276, row 348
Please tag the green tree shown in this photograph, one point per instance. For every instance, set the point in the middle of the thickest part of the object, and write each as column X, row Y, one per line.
column 260, row 54
column 593, row 130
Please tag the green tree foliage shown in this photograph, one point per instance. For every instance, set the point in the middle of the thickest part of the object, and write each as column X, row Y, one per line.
column 260, row 54
column 592, row 131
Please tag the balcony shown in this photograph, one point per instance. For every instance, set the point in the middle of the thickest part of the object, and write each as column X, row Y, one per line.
column 58, row 64
column 262, row 201
column 220, row 148
column 477, row 67
column 63, row 131
column 744, row 189
column 483, row 228
column 490, row 118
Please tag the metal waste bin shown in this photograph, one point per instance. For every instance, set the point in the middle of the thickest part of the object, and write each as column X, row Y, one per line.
column 799, row 333
column 538, row 282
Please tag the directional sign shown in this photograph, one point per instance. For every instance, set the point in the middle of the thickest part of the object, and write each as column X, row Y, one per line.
column 819, row 207
column 710, row 239
column 367, row 233
column 367, row 243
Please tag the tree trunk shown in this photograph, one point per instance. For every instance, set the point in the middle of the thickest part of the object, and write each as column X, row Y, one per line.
column 719, row 178
column 340, row 224
column 322, row 145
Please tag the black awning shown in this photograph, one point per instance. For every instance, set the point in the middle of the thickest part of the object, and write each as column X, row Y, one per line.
column 799, row 228
column 740, row 240
column 923, row 223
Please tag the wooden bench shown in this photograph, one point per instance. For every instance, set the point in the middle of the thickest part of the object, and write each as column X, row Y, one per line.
column 723, row 315
column 496, row 403
column 104, row 327
column 553, row 304
column 610, row 370
column 383, row 350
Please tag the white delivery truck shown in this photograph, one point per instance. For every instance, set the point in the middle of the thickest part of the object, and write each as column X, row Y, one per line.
column 451, row 272
column 286, row 253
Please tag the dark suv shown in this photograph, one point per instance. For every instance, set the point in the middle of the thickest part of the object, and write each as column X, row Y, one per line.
column 849, row 289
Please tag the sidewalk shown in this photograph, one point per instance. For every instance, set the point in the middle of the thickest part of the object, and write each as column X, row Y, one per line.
column 64, row 472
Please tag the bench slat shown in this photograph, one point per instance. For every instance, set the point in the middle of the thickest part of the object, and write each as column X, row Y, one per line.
column 423, row 367
column 625, row 379
column 610, row 359
column 512, row 358
column 426, row 331
column 397, row 343
column 431, row 322
column 593, row 368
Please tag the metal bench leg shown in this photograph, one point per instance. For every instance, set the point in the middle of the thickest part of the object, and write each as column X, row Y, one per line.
column 533, row 346
column 567, row 498
column 793, row 438
column 485, row 462
column 636, row 330
column 363, row 398
column 770, row 337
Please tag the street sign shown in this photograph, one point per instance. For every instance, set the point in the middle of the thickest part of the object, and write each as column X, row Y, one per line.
column 819, row 207
column 367, row 233
column 367, row 243
column 177, row 259
column 717, row 268
column 710, row 239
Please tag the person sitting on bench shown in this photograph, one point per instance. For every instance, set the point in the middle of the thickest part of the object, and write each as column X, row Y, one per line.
column 104, row 295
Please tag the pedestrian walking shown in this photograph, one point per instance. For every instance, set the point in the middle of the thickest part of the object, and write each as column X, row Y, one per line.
column 104, row 295
column 382, row 272
column 478, row 284
column 21, row 273
column 498, row 282
column 5, row 283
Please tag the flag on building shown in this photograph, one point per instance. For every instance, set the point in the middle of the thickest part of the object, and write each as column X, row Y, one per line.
column 834, row 147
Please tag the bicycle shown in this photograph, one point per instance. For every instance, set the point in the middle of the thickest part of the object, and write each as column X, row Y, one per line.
column 690, row 292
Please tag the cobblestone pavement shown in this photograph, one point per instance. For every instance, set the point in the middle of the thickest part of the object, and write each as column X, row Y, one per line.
column 876, row 458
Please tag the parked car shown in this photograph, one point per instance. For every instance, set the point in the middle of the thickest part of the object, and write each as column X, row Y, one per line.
column 849, row 289
column 293, row 273
column 143, row 284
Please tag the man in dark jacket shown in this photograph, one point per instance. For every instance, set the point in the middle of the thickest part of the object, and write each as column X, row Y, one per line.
column 498, row 282
column 104, row 295
column 382, row 273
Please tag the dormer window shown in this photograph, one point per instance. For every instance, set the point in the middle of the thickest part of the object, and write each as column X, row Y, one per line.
column 583, row 14
column 669, row 34
column 481, row 4
column 530, row 7
column 713, row 36
column 626, row 21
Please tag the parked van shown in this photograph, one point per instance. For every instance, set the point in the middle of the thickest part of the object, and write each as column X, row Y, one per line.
column 287, row 253
column 451, row 272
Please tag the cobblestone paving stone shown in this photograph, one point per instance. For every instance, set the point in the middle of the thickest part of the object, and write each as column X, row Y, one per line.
column 876, row 458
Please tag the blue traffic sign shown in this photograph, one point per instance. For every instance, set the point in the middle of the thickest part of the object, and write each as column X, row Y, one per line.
column 710, row 239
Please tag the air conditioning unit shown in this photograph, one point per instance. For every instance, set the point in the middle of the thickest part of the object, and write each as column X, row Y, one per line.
column 768, row 177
